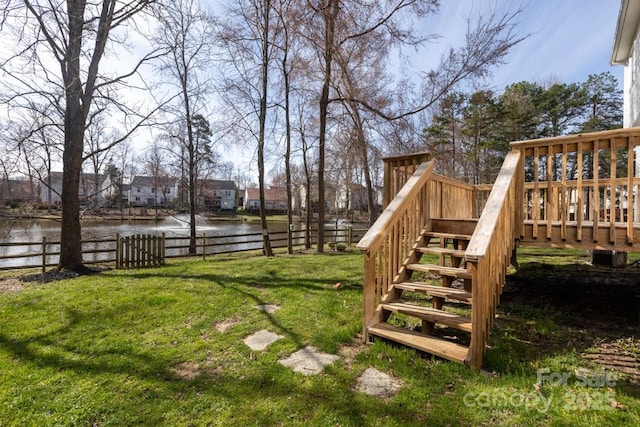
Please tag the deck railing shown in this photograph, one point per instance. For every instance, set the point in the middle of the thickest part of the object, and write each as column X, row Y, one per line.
column 490, row 249
column 582, row 190
column 392, row 240
column 397, row 171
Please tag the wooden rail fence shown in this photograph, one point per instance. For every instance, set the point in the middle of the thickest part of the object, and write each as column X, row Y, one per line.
column 45, row 253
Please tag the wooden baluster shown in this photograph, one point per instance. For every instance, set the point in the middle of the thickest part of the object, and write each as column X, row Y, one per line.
column 551, row 205
column 536, row 191
column 564, row 208
column 613, row 193
column 630, row 174
column 579, row 194
column 596, row 190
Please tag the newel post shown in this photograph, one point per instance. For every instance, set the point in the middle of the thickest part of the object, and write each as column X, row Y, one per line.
column 369, row 291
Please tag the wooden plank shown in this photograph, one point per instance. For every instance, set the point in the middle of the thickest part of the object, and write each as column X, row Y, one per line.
column 596, row 190
column 630, row 173
column 613, row 195
column 437, row 291
column 448, row 235
column 564, row 209
column 458, row 273
column 441, row 251
column 454, row 226
column 436, row 346
column 550, row 199
column 585, row 182
column 580, row 193
column 536, row 192
column 429, row 314
column 544, row 142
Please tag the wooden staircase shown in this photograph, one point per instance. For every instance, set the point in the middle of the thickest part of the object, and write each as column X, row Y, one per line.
column 432, row 311
column 436, row 259
column 433, row 270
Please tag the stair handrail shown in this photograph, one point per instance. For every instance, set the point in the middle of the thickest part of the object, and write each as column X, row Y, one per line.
column 390, row 240
column 376, row 234
column 490, row 248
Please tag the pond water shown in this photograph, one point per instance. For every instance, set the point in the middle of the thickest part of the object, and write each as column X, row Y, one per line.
column 225, row 234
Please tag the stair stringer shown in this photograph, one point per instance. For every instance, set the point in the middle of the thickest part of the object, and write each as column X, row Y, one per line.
column 402, row 275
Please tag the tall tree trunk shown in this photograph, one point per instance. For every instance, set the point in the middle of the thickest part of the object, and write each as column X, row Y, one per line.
column 287, row 154
column 70, row 238
column 330, row 14
column 287, row 161
column 266, row 242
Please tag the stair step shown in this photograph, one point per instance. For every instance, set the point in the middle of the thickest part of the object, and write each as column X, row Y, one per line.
column 454, row 226
column 441, row 251
column 458, row 273
column 431, row 315
column 440, row 235
column 435, row 291
column 429, row 344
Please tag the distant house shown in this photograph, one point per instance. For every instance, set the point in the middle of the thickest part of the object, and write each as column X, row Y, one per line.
column 626, row 52
column 351, row 197
column 275, row 200
column 216, row 194
column 17, row 190
column 152, row 191
column 91, row 190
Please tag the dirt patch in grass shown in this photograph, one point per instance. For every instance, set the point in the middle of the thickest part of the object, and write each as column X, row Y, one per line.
column 592, row 309
column 226, row 324
column 349, row 351
column 187, row 371
column 10, row 284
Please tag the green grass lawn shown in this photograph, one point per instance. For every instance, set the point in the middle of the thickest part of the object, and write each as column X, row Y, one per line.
column 142, row 347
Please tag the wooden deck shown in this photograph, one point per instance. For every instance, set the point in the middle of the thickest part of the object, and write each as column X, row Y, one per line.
column 571, row 235
column 581, row 191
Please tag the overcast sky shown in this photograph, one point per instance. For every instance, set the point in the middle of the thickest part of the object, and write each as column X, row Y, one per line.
column 569, row 40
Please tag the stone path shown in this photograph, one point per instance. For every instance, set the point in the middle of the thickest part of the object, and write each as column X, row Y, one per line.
column 258, row 341
column 310, row 361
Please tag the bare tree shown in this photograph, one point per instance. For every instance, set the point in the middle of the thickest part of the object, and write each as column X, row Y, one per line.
column 75, row 36
column 155, row 164
column 99, row 142
column 247, row 40
column 187, row 34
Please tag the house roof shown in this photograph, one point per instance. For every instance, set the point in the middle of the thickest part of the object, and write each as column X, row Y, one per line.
column 218, row 184
column 15, row 189
column 270, row 194
column 85, row 178
column 626, row 30
column 150, row 181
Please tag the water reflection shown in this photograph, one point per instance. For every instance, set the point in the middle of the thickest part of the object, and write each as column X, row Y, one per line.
column 221, row 235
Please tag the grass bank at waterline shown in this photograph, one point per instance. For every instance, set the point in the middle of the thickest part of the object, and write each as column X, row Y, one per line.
column 165, row 347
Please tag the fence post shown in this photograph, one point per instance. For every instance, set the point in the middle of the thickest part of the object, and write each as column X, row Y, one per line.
column 349, row 237
column 118, row 265
column 162, row 248
column 44, row 254
column 204, row 246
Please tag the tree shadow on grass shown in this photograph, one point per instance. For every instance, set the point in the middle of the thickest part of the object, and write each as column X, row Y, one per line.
column 575, row 309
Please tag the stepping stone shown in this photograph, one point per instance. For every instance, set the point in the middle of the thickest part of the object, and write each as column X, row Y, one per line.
column 261, row 339
column 268, row 308
column 378, row 384
column 308, row 361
